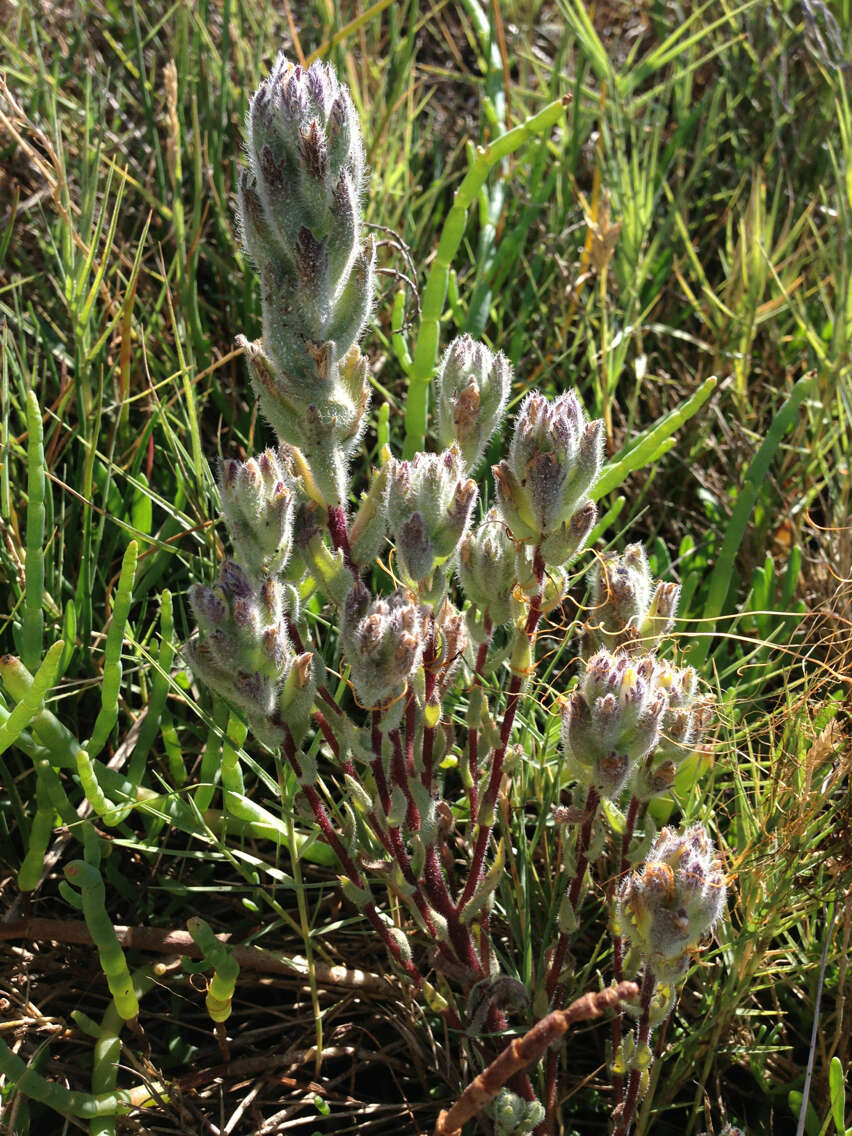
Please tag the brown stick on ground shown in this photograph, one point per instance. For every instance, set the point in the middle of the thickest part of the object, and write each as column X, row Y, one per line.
column 160, row 941
column 523, row 1051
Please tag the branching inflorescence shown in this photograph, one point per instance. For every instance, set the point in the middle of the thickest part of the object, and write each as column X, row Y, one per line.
column 462, row 600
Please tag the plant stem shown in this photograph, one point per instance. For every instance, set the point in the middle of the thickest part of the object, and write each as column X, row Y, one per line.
column 346, row 861
column 523, row 1051
column 575, row 888
column 547, row 1126
column 618, row 943
column 400, row 775
column 624, row 1117
column 490, row 798
column 473, row 733
column 339, row 532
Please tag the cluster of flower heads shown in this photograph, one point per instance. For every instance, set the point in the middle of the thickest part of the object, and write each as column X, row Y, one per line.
column 383, row 643
column 542, row 487
column 244, row 654
column 628, row 610
column 257, row 502
column 632, row 717
column 471, row 389
column 430, row 503
column 666, row 907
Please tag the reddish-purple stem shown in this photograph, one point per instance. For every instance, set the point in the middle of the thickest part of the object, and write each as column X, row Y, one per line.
column 399, row 773
column 583, row 840
column 618, row 945
column 643, row 1034
column 490, row 798
column 339, row 532
column 473, row 734
column 410, row 732
column 349, row 865
column 554, row 993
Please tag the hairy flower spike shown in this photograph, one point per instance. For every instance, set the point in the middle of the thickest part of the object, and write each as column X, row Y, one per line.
column 300, row 218
column 487, row 568
column 472, row 387
column 613, row 720
column 676, row 897
column 554, row 460
column 430, row 502
column 257, row 502
column 629, row 611
column 242, row 650
column 382, row 642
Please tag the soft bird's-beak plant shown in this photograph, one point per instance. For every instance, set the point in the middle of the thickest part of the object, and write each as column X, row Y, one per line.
column 432, row 607
column 385, row 649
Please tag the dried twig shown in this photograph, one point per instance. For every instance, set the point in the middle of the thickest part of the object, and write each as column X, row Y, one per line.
column 168, row 942
column 523, row 1051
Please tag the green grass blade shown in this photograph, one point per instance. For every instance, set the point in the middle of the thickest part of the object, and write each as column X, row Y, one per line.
column 646, row 448
column 724, row 570
column 435, row 292
column 111, row 683
column 32, row 624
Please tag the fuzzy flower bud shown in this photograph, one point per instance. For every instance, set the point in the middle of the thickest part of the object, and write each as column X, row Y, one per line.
column 513, row 1116
column 554, row 460
column 688, row 715
column 472, row 386
column 674, row 899
column 451, row 640
column 382, row 642
column 430, row 502
column 242, row 650
column 613, row 720
column 300, row 211
column 257, row 501
column 369, row 526
column 487, row 569
column 628, row 610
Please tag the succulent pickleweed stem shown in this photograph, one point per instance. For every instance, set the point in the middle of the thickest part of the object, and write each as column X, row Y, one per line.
column 643, row 1034
column 490, row 798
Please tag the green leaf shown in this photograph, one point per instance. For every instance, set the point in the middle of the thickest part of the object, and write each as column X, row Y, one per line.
column 837, row 1093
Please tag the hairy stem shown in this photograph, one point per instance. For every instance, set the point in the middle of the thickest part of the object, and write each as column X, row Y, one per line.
column 339, row 532
column 625, row 1113
column 490, row 798
column 618, row 944
column 348, row 864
